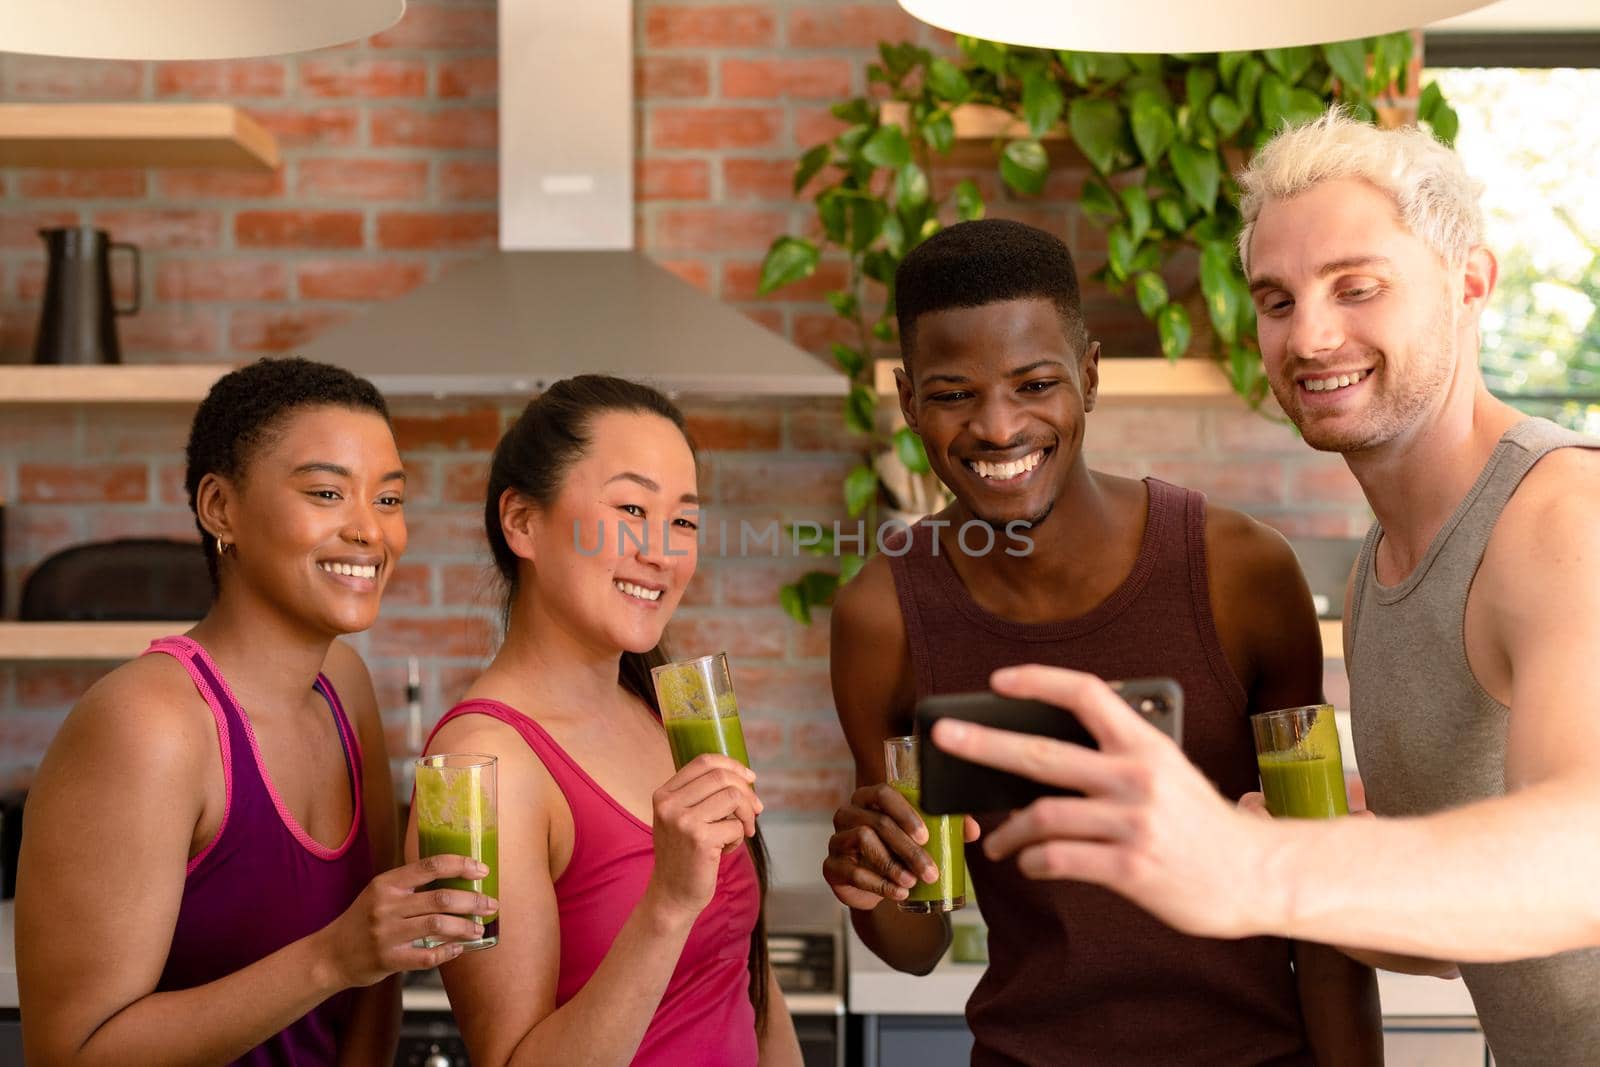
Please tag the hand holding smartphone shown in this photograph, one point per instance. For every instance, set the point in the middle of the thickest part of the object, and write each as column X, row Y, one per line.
column 951, row 785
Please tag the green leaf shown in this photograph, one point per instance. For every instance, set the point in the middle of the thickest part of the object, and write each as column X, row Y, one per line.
column 810, row 165
column 1228, row 64
column 857, row 112
column 887, row 147
column 861, row 409
column 860, row 489
column 1199, row 83
column 1098, row 129
column 849, row 360
column 1042, row 102
column 850, row 565
column 946, row 81
column 818, row 542
column 1446, row 124
column 1023, row 166
column 910, row 186
column 1170, row 211
column 969, row 202
column 867, row 216
column 1120, row 248
column 894, row 236
column 819, row 587
column 1291, row 63
column 788, row 260
column 843, row 302
column 879, row 266
column 851, row 140
column 939, row 131
column 1098, row 200
column 1245, row 86
column 1225, row 114
column 1077, row 65
column 1221, row 293
column 908, row 447
column 793, row 602
column 1245, row 372
column 1137, row 206
column 1348, row 61
column 1199, row 172
column 1304, row 105
column 1151, row 291
column 1153, row 128
column 1109, row 66
column 883, row 329
column 1172, row 323
column 985, row 55
column 833, row 209
column 1147, row 62
column 1274, row 102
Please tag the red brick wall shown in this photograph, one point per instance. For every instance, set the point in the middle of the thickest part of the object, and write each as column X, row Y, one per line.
column 389, row 178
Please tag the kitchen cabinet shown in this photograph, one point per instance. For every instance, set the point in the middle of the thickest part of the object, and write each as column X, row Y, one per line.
column 924, row 1040
column 1433, row 1043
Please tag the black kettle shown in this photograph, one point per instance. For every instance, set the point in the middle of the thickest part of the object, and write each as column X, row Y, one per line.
column 78, row 321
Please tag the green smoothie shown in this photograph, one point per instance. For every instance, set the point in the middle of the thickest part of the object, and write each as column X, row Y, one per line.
column 483, row 846
column 694, row 737
column 945, row 847
column 1303, row 788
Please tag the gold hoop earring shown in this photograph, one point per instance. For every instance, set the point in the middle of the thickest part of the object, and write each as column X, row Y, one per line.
column 222, row 546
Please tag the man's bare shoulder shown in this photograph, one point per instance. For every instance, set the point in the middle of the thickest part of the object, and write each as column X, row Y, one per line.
column 1548, row 524
column 867, row 607
column 1245, row 554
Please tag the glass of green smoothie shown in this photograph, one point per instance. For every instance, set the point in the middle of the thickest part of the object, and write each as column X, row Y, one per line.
column 1302, row 772
column 699, row 710
column 945, row 840
column 456, row 815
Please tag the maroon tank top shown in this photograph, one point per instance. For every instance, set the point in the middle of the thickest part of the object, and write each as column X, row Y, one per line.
column 262, row 882
column 1077, row 974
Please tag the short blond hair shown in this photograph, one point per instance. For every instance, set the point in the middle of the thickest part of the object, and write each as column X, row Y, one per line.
column 1435, row 197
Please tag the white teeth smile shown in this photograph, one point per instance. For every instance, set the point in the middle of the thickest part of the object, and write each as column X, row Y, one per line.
column 638, row 591
column 1338, row 381
column 1003, row 471
column 350, row 570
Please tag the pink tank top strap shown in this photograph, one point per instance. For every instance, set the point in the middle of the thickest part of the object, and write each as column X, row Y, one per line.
column 190, row 654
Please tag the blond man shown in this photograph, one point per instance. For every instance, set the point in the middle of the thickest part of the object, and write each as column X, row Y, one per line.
column 1471, row 627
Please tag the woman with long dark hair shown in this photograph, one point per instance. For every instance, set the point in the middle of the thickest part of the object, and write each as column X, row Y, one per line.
column 630, row 921
column 200, row 881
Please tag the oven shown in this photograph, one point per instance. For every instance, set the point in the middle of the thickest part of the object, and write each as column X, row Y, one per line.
column 804, row 938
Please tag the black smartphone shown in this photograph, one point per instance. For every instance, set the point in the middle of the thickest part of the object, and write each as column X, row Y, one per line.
column 952, row 785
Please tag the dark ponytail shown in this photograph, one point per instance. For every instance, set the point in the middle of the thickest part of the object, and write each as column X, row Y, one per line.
column 533, row 459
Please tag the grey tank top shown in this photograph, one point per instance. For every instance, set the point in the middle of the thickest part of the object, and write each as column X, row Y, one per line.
column 1428, row 738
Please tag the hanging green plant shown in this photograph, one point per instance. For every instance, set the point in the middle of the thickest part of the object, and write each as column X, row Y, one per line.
column 1162, row 135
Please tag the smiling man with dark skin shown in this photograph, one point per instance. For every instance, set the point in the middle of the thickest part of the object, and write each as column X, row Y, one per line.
column 1112, row 575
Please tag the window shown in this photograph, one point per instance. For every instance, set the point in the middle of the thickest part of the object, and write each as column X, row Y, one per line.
column 1531, row 137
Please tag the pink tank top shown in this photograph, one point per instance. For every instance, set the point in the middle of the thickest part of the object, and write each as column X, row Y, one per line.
column 705, row 1016
column 263, row 882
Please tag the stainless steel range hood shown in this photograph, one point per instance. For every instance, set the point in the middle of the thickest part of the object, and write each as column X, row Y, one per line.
column 515, row 321
column 567, row 292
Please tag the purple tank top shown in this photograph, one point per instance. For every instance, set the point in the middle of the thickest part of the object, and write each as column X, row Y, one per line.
column 1077, row 974
column 705, row 1017
column 262, row 882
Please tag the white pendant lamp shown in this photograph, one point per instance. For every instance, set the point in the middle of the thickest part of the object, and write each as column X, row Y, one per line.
column 188, row 29
column 1179, row 25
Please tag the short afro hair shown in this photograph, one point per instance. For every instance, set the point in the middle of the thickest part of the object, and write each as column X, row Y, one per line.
column 986, row 261
column 247, row 408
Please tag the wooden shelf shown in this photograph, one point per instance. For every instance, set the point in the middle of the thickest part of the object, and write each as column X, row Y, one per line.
column 179, row 383
column 979, row 127
column 81, row 640
column 134, row 135
column 1129, row 381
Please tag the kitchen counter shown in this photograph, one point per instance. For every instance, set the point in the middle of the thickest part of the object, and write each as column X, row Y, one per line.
column 877, row 989
column 415, row 998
